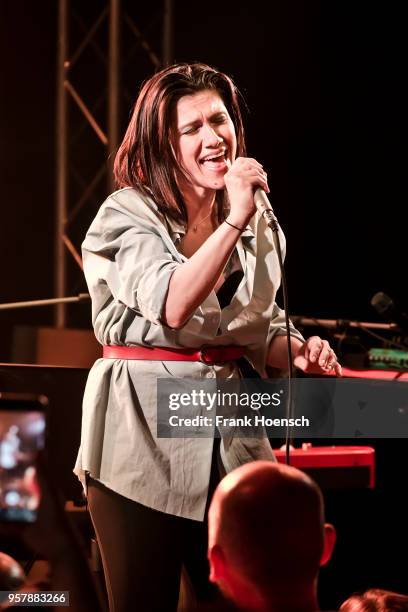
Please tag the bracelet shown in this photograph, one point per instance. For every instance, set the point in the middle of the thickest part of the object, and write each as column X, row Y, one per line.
column 241, row 229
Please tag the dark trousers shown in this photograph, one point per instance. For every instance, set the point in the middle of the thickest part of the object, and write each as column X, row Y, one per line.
column 143, row 549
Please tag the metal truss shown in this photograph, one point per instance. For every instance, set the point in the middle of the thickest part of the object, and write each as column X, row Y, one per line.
column 105, row 51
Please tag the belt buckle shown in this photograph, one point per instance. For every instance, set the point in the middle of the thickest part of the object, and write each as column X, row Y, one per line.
column 202, row 356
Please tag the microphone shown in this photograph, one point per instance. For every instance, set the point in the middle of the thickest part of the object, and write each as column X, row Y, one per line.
column 386, row 308
column 264, row 207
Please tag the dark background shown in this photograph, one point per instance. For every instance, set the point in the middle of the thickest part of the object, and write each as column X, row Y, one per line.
column 324, row 83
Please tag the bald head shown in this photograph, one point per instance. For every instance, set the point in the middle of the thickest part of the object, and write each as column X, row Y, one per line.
column 268, row 520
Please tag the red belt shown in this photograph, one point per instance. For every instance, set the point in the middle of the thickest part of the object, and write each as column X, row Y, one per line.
column 207, row 354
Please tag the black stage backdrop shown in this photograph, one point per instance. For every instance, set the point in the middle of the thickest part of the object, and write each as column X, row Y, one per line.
column 324, row 84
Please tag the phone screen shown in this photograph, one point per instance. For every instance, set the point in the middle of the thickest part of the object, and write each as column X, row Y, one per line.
column 22, row 437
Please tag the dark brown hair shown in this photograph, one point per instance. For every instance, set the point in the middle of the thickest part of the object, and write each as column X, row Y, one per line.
column 145, row 159
column 376, row 600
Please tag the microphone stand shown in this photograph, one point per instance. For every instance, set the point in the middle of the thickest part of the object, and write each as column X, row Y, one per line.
column 81, row 297
column 341, row 323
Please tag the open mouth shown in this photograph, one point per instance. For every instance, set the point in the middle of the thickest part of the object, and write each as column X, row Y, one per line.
column 215, row 162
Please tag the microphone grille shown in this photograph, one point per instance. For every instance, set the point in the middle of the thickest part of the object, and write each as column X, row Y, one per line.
column 382, row 303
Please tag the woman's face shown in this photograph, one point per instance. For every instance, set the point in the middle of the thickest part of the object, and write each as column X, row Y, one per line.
column 205, row 142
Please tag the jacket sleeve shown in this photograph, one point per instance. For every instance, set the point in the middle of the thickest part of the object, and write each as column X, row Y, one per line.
column 126, row 253
column 277, row 326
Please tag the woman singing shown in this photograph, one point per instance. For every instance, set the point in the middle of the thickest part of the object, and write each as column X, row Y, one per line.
column 177, row 259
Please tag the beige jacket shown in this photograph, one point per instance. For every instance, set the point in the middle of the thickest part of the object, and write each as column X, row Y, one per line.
column 129, row 254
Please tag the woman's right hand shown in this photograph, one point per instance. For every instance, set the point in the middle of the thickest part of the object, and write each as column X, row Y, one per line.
column 242, row 178
column 192, row 282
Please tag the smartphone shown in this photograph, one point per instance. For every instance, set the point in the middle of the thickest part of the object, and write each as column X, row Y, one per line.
column 22, row 438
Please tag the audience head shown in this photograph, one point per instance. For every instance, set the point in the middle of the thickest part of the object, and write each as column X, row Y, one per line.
column 12, row 575
column 376, row 600
column 267, row 537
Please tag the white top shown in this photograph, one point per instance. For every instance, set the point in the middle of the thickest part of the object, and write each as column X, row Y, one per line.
column 129, row 255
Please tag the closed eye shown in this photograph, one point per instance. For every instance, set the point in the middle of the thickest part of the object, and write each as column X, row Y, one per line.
column 194, row 127
column 220, row 119
column 191, row 130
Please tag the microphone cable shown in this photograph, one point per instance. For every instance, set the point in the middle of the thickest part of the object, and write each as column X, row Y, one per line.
column 272, row 223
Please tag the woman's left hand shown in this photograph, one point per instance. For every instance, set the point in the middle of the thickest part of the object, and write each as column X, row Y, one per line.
column 316, row 357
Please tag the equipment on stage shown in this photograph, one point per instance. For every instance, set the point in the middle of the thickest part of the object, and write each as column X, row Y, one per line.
column 364, row 345
column 388, row 359
column 334, row 467
column 386, row 308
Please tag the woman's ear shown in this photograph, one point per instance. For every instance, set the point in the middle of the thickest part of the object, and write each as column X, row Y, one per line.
column 330, row 537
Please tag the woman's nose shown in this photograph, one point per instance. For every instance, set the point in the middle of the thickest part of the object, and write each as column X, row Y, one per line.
column 211, row 138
